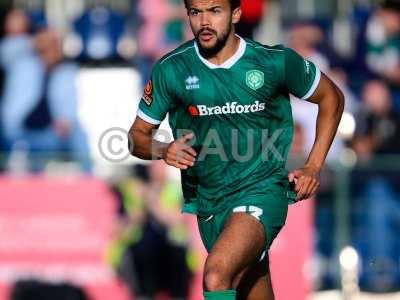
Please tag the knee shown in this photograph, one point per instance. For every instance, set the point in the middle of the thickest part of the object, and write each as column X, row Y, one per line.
column 216, row 279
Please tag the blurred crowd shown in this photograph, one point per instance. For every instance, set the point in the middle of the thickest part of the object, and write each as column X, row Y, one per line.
column 39, row 97
column 39, row 117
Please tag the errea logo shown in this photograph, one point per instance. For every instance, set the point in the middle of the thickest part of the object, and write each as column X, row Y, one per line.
column 192, row 83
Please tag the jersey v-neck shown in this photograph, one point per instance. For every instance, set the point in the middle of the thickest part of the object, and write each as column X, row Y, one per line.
column 230, row 61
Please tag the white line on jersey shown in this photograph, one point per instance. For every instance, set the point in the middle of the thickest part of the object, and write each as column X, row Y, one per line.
column 180, row 52
column 209, row 218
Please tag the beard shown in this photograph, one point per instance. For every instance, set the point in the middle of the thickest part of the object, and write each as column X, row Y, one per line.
column 218, row 45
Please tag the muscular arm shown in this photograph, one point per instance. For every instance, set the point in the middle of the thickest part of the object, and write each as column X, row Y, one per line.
column 330, row 101
column 143, row 145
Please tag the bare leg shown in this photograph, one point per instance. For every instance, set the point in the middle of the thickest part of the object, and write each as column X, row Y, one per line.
column 239, row 246
column 255, row 282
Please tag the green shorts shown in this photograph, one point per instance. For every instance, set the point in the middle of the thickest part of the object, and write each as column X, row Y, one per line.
column 269, row 207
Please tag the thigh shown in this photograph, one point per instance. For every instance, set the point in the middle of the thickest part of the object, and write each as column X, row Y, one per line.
column 270, row 210
column 254, row 283
column 239, row 245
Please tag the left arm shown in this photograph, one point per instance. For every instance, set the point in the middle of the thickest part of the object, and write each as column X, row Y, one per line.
column 330, row 101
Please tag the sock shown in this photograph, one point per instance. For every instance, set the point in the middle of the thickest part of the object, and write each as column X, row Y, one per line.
column 220, row 295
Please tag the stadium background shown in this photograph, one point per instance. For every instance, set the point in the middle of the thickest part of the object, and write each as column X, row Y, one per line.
column 81, row 220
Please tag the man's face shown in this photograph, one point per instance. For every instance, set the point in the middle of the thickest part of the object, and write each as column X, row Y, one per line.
column 391, row 21
column 211, row 22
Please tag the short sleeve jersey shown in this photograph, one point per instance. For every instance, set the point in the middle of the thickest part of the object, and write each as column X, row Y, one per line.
column 239, row 113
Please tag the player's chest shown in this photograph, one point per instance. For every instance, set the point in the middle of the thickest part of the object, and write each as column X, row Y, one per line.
column 221, row 86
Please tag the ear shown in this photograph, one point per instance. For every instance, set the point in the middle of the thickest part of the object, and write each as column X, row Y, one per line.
column 236, row 15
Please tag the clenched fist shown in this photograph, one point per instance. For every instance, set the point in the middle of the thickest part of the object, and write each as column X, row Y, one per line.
column 306, row 182
column 179, row 154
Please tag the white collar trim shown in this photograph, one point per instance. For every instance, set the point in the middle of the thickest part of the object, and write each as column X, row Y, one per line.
column 229, row 62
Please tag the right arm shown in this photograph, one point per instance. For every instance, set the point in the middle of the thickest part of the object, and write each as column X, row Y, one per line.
column 143, row 145
column 153, row 108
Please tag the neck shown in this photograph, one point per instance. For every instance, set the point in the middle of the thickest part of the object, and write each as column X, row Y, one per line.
column 230, row 48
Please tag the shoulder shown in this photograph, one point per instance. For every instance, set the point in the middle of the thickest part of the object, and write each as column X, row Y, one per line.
column 272, row 58
column 167, row 65
column 183, row 52
column 261, row 49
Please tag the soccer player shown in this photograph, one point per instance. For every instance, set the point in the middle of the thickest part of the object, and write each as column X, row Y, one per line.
column 229, row 110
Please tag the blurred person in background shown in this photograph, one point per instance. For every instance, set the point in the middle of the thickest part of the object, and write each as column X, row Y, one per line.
column 152, row 250
column 383, row 39
column 39, row 109
column 17, row 58
column 383, row 45
column 252, row 16
column 378, row 124
column 16, row 43
column 3, row 13
column 99, row 30
column 163, row 29
column 305, row 38
column 377, row 133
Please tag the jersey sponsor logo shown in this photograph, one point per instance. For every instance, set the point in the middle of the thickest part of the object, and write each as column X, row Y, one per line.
column 228, row 108
column 192, row 83
column 193, row 111
column 148, row 93
column 254, row 79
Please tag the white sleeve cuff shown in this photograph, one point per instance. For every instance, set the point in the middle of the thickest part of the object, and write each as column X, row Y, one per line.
column 315, row 84
column 146, row 118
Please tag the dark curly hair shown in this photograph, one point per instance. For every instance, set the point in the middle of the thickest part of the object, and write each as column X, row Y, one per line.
column 234, row 4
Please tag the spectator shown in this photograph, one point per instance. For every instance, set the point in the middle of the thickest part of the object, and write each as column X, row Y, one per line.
column 378, row 125
column 3, row 14
column 162, row 30
column 153, row 236
column 16, row 54
column 304, row 38
column 39, row 104
column 100, row 29
column 377, row 133
column 16, row 41
column 383, row 42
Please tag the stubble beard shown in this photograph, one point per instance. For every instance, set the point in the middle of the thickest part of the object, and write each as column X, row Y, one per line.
column 219, row 44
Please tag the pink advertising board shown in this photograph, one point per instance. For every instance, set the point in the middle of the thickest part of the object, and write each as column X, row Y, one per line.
column 57, row 230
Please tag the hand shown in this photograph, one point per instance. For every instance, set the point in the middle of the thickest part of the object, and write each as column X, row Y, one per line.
column 179, row 154
column 306, row 182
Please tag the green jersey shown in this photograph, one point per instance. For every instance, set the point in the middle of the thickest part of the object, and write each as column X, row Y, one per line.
column 239, row 113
